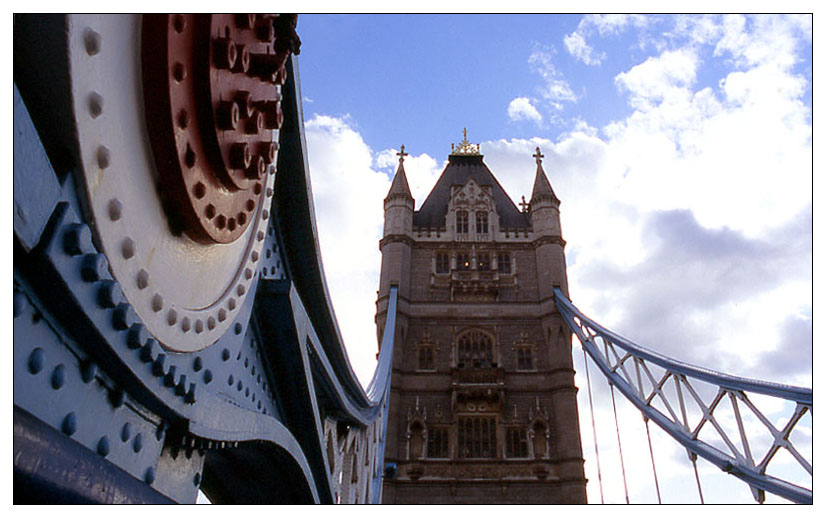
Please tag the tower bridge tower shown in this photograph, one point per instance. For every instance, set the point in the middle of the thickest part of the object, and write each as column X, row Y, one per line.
column 482, row 403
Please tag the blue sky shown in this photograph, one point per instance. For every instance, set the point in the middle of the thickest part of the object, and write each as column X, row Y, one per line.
column 680, row 146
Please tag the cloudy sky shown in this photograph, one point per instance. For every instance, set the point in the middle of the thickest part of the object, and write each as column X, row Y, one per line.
column 680, row 146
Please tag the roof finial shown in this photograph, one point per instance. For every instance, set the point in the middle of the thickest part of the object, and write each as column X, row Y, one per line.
column 538, row 156
column 524, row 205
column 401, row 154
column 464, row 147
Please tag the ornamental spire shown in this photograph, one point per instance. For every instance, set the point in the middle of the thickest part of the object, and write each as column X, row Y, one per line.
column 401, row 154
column 465, row 147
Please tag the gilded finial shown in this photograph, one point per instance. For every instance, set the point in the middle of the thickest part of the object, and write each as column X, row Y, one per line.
column 401, row 154
column 464, row 147
column 538, row 156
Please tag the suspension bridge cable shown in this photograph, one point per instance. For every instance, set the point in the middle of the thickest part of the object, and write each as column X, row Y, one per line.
column 653, row 466
column 593, row 427
column 619, row 443
column 693, row 458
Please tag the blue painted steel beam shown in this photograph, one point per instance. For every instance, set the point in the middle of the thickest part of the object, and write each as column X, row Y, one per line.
column 720, row 459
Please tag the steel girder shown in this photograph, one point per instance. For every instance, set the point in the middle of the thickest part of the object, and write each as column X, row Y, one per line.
column 247, row 415
column 643, row 377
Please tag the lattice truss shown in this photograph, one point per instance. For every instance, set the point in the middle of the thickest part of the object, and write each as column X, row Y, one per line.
column 755, row 430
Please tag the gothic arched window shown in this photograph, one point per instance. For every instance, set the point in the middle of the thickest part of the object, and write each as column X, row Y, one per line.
column 481, row 222
column 461, row 222
column 475, row 350
column 442, row 262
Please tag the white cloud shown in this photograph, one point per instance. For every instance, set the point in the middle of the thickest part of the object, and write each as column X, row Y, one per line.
column 662, row 78
column 578, row 48
column 555, row 90
column 348, row 196
column 521, row 108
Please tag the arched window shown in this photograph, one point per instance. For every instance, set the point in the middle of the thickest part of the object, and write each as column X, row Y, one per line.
column 475, row 350
column 463, row 261
column 461, row 222
column 481, row 222
column 503, row 260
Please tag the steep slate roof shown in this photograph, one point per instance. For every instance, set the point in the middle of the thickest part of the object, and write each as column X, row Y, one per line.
column 460, row 168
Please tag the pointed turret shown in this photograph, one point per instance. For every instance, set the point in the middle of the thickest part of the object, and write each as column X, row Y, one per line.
column 399, row 188
column 542, row 189
column 398, row 205
column 544, row 211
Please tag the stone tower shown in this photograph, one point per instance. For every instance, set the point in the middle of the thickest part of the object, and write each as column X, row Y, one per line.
column 482, row 402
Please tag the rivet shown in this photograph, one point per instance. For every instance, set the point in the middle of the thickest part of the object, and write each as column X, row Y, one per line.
column 248, row 273
column 19, row 303
column 268, row 253
column 247, row 392
column 115, row 209
column 241, row 290
column 94, row 267
column 180, row 388
column 179, row 71
column 183, row 119
column 69, row 424
column 160, row 431
column 189, row 156
column 95, row 105
column 37, row 359
column 246, row 362
column 211, row 323
column 169, row 379
column 269, row 192
column 158, row 368
column 179, row 23
column 190, row 395
column 88, row 371
column 221, row 221
column 207, row 376
column 127, row 248
column 230, row 380
column 149, row 476
column 125, row 432
column 209, row 211
column 103, row 446
column 199, row 190
column 222, row 315
column 265, row 214
column 157, row 302
column 231, row 303
column 257, row 188
column 77, row 239
column 242, row 218
column 250, row 205
column 137, row 444
column 123, row 317
column 255, row 125
column 240, row 155
column 143, row 279
column 91, row 41
column 260, row 236
column 225, row 355
column 196, row 480
column 109, row 294
column 58, row 376
column 185, row 324
column 240, row 385
column 149, row 351
column 103, row 157
column 254, row 256
column 224, row 53
column 238, row 328
column 118, row 397
column 137, row 336
column 199, row 326
column 171, row 317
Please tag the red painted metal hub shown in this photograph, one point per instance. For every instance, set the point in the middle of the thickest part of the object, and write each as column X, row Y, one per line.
column 212, row 98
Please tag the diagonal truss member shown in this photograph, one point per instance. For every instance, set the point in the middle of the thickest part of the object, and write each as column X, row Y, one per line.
column 664, row 389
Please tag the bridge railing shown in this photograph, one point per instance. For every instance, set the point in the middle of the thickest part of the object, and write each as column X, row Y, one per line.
column 715, row 416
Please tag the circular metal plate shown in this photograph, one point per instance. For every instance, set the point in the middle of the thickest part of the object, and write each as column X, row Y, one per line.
column 186, row 289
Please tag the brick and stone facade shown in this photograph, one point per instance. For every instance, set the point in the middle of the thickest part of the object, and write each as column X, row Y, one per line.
column 483, row 403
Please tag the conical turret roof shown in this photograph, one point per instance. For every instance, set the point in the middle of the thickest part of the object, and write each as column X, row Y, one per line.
column 542, row 189
column 400, row 188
